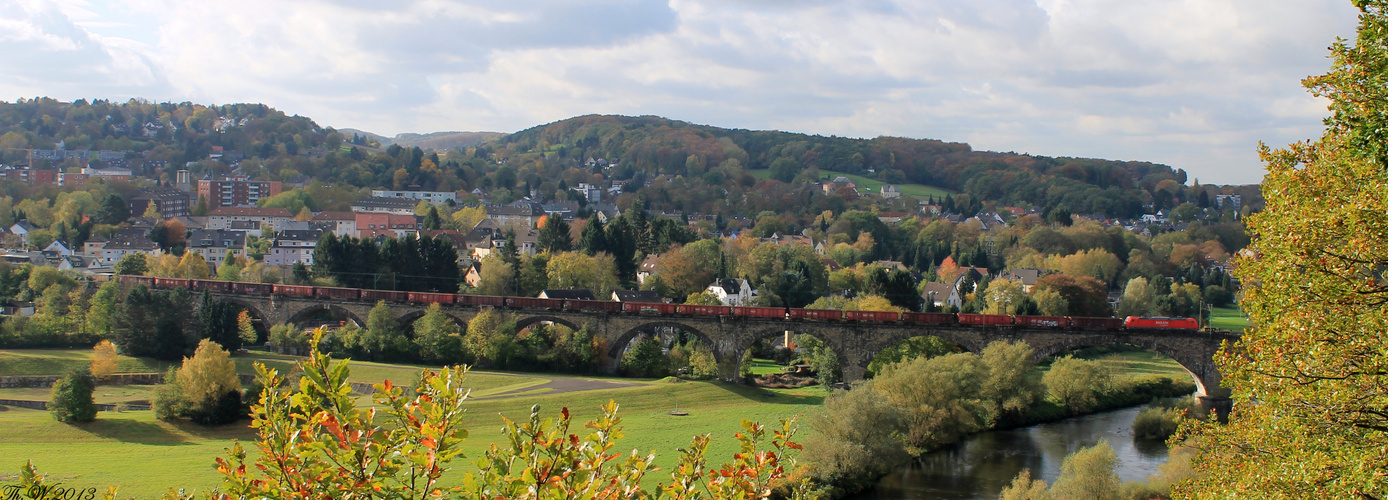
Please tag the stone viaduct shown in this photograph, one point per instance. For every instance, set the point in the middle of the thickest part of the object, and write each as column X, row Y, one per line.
column 729, row 336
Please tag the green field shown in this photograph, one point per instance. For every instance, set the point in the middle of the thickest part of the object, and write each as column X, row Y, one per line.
column 60, row 361
column 144, row 455
column 867, row 184
column 1228, row 318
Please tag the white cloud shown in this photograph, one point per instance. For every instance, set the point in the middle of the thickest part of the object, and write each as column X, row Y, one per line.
column 1192, row 83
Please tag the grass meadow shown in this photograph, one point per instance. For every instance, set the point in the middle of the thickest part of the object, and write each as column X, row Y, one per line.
column 145, row 456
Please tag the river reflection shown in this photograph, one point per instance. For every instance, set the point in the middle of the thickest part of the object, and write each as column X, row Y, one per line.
column 982, row 466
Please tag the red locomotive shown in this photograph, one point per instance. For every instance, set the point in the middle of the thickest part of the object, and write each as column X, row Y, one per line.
column 1162, row 323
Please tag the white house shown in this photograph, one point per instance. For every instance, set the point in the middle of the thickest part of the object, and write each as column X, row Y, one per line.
column 730, row 291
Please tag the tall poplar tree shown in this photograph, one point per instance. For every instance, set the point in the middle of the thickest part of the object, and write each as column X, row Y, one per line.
column 1310, row 379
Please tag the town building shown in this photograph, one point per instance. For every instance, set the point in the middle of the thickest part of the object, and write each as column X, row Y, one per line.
column 378, row 205
column 169, row 202
column 217, row 245
column 223, row 217
column 294, row 246
column 236, row 191
column 385, row 224
column 435, row 197
column 731, row 291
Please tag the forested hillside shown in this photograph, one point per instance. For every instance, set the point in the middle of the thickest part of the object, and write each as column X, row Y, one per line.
column 653, row 146
column 671, row 166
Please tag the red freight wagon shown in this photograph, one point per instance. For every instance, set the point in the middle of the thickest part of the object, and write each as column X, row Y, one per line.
column 1166, row 323
column 760, row 312
column 930, row 318
column 296, row 290
column 337, row 293
column 386, row 295
column 985, row 319
column 481, row 300
column 1096, row 323
column 878, row 316
column 819, row 314
column 1043, row 321
column 213, row 285
column 534, row 303
column 137, row 280
column 704, row 310
column 254, row 288
column 431, row 298
column 648, row 307
column 593, row 305
column 171, row 282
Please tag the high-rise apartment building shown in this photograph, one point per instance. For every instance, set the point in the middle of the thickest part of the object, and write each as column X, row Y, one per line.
column 236, row 191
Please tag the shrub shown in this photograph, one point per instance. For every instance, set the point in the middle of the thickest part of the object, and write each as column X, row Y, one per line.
column 204, row 390
column 644, row 359
column 1076, row 384
column 103, row 360
column 71, row 397
column 1156, row 422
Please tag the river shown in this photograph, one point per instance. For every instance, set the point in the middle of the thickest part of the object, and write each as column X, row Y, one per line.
column 980, row 467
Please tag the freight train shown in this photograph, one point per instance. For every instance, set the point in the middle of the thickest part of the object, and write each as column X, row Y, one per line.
column 790, row 313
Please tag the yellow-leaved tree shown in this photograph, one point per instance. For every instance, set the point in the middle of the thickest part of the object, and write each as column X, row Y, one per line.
column 1310, row 378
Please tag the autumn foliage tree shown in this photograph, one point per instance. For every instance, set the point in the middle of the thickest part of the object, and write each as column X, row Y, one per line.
column 315, row 442
column 103, row 360
column 1310, row 379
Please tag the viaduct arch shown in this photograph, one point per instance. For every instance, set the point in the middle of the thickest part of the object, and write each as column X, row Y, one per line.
column 728, row 337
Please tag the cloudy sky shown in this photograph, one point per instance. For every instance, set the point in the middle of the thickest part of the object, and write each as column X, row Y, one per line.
column 1191, row 83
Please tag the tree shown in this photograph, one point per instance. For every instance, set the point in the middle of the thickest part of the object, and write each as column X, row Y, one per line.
column 1004, row 297
column 856, row 439
column 438, row 336
column 554, row 236
column 102, row 308
column 644, row 359
column 593, row 239
column 1024, row 488
column 1007, row 384
column 1089, row 473
column 103, row 360
column 205, row 389
column 114, row 210
column 1314, row 363
column 1084, row 296
column 245, row 328
column 217, row 322
column 1076, row 383
column 703, row 298
column 467, row 218
column 1138, row 299
column 131, row 265
column 386, row 341
column 70, row 400
column 1049, row 302
column 193, row 266
column 577, row 270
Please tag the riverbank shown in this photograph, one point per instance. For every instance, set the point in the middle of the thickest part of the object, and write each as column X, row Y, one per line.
column 980, row 467
column 931, row 404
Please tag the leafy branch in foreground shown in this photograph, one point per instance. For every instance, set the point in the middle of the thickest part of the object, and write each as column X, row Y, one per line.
column 315, row 443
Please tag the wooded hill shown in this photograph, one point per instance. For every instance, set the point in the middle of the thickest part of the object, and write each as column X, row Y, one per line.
column 685, row 167
column 652, row 146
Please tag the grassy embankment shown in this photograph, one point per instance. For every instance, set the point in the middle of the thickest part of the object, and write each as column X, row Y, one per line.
column 145, row 455
column 867, row 184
